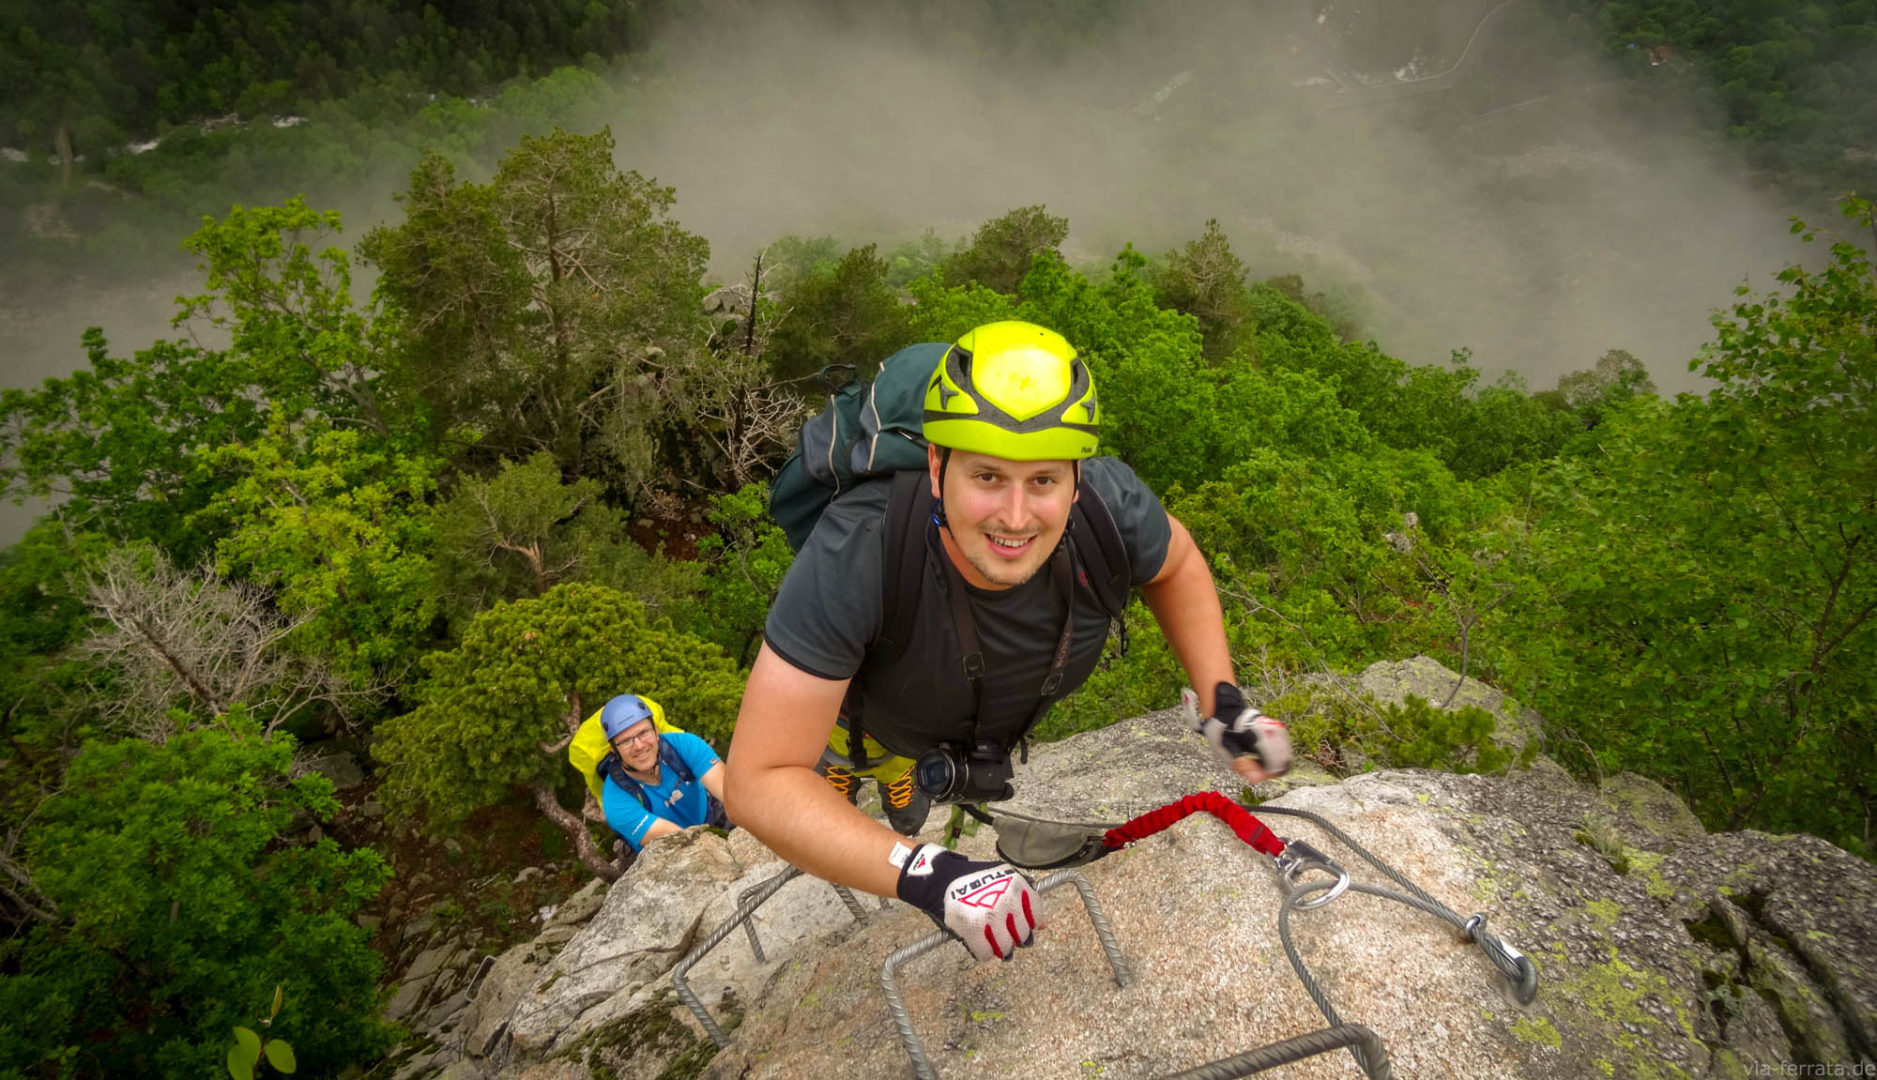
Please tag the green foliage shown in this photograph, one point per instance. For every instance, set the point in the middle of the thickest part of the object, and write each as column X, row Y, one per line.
column 41, row 612
column 1475, row 432
column 790, row 260
column 1000, row 252
column 1301, row 553
column 524, row 530
column 1786, row 75
column 180, row 905
column 336, row 524
column 744, row 565
column 1713, row 577
column 1205, row 280
column 843, row 312
column 289, row 312
column 248, row 1048
column 1359, row 733
column 526, row 673
column 133, row 444
column 1617, row 378
column 1502, row 426
column 531, row 303
column 913, row 259
column 122, row 440
column 1457, row 740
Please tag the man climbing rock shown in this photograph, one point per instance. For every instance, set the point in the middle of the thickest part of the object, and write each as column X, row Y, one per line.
column 1006, row 610
column 655, row 784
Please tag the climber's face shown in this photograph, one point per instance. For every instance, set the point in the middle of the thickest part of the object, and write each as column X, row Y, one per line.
column 1005, row 517
column 638, row 746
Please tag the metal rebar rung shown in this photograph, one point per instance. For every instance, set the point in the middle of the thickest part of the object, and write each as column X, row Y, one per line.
column 749, row 925
column 1297, row 1048
column 896, row 1004
column 751, row 900
column 853, row 905
column 747, row 903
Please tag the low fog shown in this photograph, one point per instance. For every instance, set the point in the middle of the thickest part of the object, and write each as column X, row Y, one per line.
column 1514, row 201
column 1518, row 212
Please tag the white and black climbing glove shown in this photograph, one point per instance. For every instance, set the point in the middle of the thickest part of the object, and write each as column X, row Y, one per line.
column 991, row 907
column 1236, row 730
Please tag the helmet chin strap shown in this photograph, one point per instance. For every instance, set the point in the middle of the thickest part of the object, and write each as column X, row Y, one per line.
column 938, row 504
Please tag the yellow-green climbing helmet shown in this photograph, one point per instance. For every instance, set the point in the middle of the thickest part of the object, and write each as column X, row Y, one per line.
column 1013, row 390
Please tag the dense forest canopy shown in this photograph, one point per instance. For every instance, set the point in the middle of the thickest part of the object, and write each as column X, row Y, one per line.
column 430, row 488
column 1798, row 81
column 92, row 75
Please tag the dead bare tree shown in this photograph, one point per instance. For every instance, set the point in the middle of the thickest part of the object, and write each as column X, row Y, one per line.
column 196, row 640
column 746, row 416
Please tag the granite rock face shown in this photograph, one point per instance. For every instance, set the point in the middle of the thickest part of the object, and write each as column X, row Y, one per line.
column 1639, row 977
column 1663, row 951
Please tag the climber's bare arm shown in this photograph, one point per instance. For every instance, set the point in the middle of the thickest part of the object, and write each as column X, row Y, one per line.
column 772, row 790
column 1185, row 603
column 713, row 780
column 659, row 827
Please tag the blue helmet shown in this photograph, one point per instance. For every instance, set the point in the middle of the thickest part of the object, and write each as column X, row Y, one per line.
column 621, row 713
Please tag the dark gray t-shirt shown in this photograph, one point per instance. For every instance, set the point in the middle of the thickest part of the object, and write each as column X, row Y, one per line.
column 829, row 612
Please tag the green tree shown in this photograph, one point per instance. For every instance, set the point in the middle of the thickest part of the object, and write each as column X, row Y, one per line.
column 121, row 442
column 843, row 313
column 129, row 444
column 1502, row 425
column 337, row 525
column 532, row 307
column 498, row 711
column 1000, row 252
column 179, row 905
column 744, row 563
column 1207, row 281
column 1714, row 568
column 1617, row 378
column 297, row 334
column 524, row 530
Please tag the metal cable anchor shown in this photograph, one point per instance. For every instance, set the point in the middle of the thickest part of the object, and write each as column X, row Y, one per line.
column 1300, row 857
column 1515, row 965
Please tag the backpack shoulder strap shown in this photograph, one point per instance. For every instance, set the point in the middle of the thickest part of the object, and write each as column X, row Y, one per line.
column 1103, row 553
column 669, row 757
column 908, row 511
column 610, row 766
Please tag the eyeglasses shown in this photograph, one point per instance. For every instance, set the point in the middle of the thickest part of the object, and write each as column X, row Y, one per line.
column 648, row 735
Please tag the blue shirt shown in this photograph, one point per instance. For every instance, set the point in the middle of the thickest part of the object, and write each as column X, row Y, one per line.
column 684, row 805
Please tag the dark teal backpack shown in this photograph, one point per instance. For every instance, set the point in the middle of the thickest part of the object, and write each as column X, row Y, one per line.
column 867, row 430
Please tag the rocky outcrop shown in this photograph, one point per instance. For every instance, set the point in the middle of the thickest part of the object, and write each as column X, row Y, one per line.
column 1633, row 983
column 1392, row 681
column 1662, row 950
